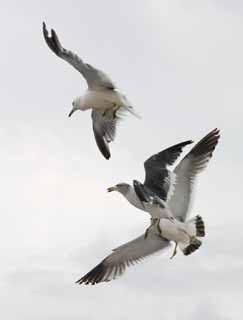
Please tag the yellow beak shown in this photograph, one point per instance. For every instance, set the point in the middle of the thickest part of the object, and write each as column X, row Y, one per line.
column 110, row 189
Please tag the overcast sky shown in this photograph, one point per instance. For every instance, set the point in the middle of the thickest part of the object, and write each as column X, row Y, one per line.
column 181, row 64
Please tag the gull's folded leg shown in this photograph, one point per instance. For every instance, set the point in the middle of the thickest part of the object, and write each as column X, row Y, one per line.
column 153, row 222
column 158, row 226
column 175, row 251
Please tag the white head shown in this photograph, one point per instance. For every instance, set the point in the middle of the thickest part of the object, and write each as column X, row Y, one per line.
column 123, row 188
column 77, row 105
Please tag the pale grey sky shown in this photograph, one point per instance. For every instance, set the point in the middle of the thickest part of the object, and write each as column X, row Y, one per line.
column 180, row 63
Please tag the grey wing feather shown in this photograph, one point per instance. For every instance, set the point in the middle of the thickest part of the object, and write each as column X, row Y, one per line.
column 94, row 77
column 157, row 177
column 122, row 257
column 187, row 170
column 104, row 127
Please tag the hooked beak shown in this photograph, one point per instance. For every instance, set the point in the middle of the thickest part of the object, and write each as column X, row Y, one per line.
column 71, row 112
column 110, row 189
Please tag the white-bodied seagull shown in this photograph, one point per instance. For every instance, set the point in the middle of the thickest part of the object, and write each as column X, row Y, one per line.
column 107, row 103
column 159, row 181
column 185, row 234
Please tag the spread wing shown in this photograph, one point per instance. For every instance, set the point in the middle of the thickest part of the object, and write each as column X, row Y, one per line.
column 187, row 170
column 157, row 177
column 122, row 257
column 104, row 127
column 95, row 78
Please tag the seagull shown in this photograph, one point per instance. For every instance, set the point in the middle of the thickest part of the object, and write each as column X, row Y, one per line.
column 115, row 264
column 174, row 188
column 183, row 234
column 107, row 103
column 174, row 222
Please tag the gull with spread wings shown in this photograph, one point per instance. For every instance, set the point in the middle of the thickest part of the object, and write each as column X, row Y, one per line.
column 172, row 189
column 107, row 103
column 175, row 187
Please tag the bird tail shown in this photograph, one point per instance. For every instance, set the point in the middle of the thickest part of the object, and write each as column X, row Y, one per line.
column 194, row 228
column 131, row 110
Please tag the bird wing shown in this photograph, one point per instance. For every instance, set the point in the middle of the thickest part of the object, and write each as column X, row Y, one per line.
column 186, row 171
column 95, row 78
column 157, row 177
column 122, row 257
column 151, row 202
column 104, row 127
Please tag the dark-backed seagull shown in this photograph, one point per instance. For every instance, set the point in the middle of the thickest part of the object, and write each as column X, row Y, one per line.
column 174, row 223
column 175, row 187
column 115, row 264
column 107, row 103
column 183, row 234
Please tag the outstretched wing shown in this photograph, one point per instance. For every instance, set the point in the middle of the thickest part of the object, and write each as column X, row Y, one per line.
column 122, row 257
column 104, row 127
column 157, row 178
column 186, row 171
column 94, row 77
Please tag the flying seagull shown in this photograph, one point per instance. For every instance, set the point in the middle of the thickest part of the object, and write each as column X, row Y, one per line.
column 177, row 203
column 185, row 234
column 115, row 264
column 175, row 187
column 107, row 103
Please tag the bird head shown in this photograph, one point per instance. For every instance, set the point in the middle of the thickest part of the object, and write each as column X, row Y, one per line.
column 77, row 105
column 122, row 187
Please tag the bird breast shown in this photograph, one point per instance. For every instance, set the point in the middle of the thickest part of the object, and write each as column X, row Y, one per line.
column 173, row 230
column 103, row 99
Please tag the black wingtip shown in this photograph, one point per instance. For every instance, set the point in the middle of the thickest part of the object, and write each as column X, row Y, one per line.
column 45, row 32
column 102, row 145
column 193, row 246
column 200, row 227
column 52, row 41
column 94, row 276
column 207, row 144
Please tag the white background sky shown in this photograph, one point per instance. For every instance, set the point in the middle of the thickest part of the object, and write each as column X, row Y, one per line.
column 180, row 63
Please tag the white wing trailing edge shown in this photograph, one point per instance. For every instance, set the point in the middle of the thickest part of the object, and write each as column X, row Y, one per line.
column 186, row 172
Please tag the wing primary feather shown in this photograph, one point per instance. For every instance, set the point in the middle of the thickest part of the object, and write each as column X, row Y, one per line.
column 186, row 172
column 95, row 78
column 157, row 176
column 115, row 264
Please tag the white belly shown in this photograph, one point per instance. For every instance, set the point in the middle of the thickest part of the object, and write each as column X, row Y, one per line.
column 104, row 99
column 173, row 230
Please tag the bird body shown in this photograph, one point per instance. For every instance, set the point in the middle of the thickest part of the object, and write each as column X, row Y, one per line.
column 101, row 100
column 102, row 96
column 173, row 219
column 115, row 264
column 185, row 234
column 173, row 188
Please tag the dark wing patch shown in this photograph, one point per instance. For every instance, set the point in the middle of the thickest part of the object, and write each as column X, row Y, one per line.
column 205, row 147
column 141, row 191
column 104, row 127
column 187, row 170
column 157, row 177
